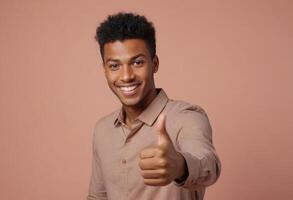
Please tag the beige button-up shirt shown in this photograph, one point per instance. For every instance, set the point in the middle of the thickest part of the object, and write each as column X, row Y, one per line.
column 115, row 171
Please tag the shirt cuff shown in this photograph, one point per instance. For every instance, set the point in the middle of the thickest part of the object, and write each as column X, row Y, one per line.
column 193, row 166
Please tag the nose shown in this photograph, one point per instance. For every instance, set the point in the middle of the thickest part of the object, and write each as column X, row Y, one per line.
column 127, row 73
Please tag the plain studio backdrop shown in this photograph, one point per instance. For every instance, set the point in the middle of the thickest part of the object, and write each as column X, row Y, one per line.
column 233, row 58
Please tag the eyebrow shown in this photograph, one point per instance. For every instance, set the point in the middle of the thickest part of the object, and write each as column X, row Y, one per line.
column 132, row 58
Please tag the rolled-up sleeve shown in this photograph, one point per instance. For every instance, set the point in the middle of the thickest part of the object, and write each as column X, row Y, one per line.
column 194, row 142
column 97, row 190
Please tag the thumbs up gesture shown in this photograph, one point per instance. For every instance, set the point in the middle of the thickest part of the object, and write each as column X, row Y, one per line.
column 161, row 164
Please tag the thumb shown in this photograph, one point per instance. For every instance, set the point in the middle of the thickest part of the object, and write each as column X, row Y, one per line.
column 163, row 135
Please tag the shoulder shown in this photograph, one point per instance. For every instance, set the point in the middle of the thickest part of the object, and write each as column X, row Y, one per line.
column 182, row 108
column 184, row 114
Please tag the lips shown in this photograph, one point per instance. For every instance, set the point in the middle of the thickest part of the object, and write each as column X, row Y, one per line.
column 128, row 90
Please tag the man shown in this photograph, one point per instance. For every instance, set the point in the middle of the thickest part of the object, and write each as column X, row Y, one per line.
column 153, row 147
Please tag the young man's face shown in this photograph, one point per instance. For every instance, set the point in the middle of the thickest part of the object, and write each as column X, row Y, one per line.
column 129, row 70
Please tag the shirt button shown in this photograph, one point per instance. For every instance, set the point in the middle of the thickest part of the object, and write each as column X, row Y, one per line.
column 123, row 161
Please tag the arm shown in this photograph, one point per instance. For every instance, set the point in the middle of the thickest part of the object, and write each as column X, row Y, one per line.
column 195, row 145
column 97, row 190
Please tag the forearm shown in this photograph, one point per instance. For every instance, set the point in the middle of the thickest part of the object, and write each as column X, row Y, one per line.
column 195, row 144
column 183, row 170
column 203, row 171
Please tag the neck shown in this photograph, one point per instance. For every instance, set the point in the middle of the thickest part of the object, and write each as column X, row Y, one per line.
column 132, row 112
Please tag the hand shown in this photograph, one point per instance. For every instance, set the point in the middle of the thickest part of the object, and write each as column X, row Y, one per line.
column 161, row 164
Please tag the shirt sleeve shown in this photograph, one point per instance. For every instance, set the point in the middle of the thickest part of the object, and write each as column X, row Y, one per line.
column 97, row 190
column 195, row 144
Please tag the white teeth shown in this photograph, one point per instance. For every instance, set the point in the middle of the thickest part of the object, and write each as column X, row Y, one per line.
column 128, row 88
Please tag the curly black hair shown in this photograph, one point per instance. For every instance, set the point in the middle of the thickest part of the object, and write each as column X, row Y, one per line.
column 122, row 26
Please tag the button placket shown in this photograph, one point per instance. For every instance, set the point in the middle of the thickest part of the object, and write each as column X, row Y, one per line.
column 125, row 165
column 127, row 153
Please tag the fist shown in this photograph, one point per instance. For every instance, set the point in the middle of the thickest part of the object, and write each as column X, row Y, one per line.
column 161, row 164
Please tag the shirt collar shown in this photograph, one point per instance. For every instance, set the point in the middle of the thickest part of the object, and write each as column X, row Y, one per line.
column 150, row 114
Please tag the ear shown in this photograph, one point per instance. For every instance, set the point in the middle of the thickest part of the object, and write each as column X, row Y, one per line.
column 156, row 63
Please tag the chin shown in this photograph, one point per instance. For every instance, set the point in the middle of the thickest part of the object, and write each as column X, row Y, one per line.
column 130, row 102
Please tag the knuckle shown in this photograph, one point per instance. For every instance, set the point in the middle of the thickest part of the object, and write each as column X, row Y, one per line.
column 140, row 164
column 141, row 154
column 160, row 152
column 146, row 182
column 163, row 163
column 164, row 172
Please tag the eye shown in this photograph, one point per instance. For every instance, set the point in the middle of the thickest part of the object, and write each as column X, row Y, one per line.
column 114, row 66
column 138, row 63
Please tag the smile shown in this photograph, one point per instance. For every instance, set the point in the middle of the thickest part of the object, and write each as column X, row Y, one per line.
column 128, row 90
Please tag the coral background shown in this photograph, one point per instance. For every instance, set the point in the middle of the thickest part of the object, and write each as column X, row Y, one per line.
column 233, row 58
